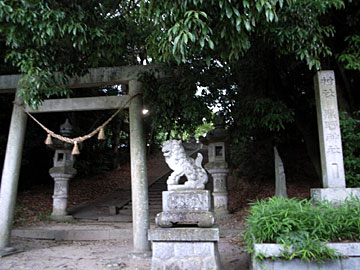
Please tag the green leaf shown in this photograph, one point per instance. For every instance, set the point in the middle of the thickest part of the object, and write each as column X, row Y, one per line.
column 211, row 44
column 202, row 42
column 229, row 11
column 247, row 25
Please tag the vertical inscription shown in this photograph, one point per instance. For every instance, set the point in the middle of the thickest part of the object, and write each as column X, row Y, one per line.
column 335, row 170
column 329, row 130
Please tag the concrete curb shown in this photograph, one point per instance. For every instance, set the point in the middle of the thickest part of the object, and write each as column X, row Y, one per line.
column 350, row 250
column 74, row 234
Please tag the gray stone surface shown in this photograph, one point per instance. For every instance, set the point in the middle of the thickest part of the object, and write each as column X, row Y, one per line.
column 183, row 165
column 81, row 104
column 334, row 194
column 172, row 218
column 280, row 178
column 190, row 207
column 218, row 168
column 185, row 255
column 73, row 234
column 332, row 164
column 9, row 251
column 184, row 234
column 297, row 264
column 139, row 182
column 193, row 200
column 62, row 172
column 95, row 77
column 11, row 172
column 350, row 263
column 350, row 250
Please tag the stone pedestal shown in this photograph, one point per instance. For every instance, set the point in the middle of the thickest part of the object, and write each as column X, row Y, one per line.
column 185, row 248
column 186, row 207
column 219, row 172
column 61, row 176
column 194, row 246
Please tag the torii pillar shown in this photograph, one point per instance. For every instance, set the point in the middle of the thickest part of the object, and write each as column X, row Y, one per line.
column 10, row 175
column 139, row 183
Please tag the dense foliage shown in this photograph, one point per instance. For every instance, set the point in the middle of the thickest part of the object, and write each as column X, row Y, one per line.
column 350, row 132
column 251, row 59
column 302, row 226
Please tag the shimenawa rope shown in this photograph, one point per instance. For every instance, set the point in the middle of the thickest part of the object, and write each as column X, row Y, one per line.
column 79, row 139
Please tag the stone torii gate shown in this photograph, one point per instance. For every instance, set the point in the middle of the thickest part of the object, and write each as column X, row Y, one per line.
column 96, row 77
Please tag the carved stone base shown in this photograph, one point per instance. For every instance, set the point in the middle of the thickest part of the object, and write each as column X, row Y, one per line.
column 186, row 207
column 204, row 219
column 220, row 203
column 185, row 248
column 182, row 200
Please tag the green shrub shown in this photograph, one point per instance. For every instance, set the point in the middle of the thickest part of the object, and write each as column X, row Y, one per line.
column 350, row 135
column 302, row 225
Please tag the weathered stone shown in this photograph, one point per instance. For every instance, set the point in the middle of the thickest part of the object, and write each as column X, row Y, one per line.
column 139, row 183
column 81, row 104
column 9, row 251
column 192, row 264
column 220, row 203
column 184, row 234
column 350, row 250
column 157, row 264
column 203, row 249
column 187, row 256
column 332, row 165
column 219, row 171
column 280, row 179
column 334, row 194
column 217, row 151
column 201, row 218
column 181, row 164
column 95, row 77
column 293, row 265
column 163, row 251
column 174, row 265
column 62, row 172
column 350, row 263
column 184, row 250
column 193, row 200
column 217, row 166
column 11, row 171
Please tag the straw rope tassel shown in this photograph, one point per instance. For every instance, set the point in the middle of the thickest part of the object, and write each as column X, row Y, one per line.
column 101, row 135
column 48, row 140
column 75, row 150
column 80, row 139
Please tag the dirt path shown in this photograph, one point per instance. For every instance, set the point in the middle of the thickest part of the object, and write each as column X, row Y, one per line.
column 98, row 255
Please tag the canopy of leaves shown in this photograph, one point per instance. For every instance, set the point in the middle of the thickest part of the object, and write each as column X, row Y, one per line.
column 227, row 29
column 44, row 37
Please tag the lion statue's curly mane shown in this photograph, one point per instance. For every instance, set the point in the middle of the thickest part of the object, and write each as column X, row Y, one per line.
column 181, row 164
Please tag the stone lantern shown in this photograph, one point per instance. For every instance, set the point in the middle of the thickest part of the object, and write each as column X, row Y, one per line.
column 62, row 171
column 217, row 166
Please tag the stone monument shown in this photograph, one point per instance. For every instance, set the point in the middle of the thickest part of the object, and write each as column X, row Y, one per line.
column 185, row 237
column 332, row 164
column 62, row 172
column 280, row 178
column 217, row 166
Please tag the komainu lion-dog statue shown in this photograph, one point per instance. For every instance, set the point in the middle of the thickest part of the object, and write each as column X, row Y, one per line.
column 181, row 164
